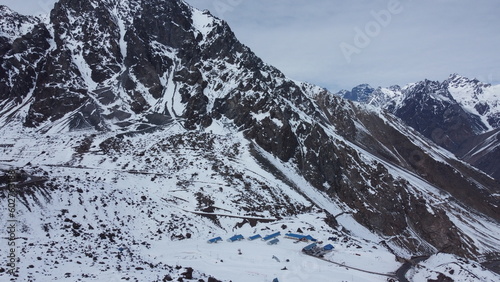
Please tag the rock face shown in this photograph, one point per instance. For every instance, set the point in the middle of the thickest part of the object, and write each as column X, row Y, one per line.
column 361, row 93
column 483, row 152
column 454, row 114
column 430, row 109
column 130, row 66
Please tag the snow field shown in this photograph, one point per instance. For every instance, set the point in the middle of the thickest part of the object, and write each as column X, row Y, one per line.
column 256, row 263
column 144, row 197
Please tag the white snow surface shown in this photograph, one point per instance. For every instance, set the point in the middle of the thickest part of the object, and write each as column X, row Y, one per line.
column 470, row 94
column 455, row 268
column 147, row 207
column 203, row 22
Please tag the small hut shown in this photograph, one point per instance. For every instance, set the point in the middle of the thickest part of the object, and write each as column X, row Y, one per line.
column 214, row 240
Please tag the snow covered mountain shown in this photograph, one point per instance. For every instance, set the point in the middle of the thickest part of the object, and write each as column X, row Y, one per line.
column 134, row 131
column 457, row 114
column 476, row 97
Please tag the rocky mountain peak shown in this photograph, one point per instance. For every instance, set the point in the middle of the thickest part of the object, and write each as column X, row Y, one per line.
column 476, row 87
column 13, row 24
column 395, row 88
column 360, row 93
column 460, row 79
column 426, row 86
column 116, row 59
column 455, row 113
column 6, row 11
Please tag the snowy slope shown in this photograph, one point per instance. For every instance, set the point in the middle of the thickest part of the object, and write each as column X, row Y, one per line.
column 149, row 206
column 160, row 197
column 477, row 98
column 14, row 25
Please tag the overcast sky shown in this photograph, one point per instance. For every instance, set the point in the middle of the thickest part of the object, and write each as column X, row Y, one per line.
column 339, row 44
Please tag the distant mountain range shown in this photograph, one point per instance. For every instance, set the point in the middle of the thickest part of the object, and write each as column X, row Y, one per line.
column 462, row 115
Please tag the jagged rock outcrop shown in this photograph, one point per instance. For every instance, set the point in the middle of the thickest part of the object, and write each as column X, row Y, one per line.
column 454, row 114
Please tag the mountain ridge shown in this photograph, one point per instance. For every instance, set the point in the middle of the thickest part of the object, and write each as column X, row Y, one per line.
column 452, row 113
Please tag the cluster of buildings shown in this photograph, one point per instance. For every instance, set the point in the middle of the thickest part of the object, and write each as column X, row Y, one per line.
column 313, row 249
column 316, row 250
column 271, row 239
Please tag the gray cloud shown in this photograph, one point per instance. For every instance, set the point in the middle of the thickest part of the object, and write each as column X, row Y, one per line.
column 426, row 39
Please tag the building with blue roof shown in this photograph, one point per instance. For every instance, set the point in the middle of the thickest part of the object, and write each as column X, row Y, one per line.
column 310, row 238
column 254, row 237
column 214, row 240
column 236, row 238
column 273, row 241
column 294, row 236
column 299, row 237
column 328, row 247
column 271, row 236
column 310, row 247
